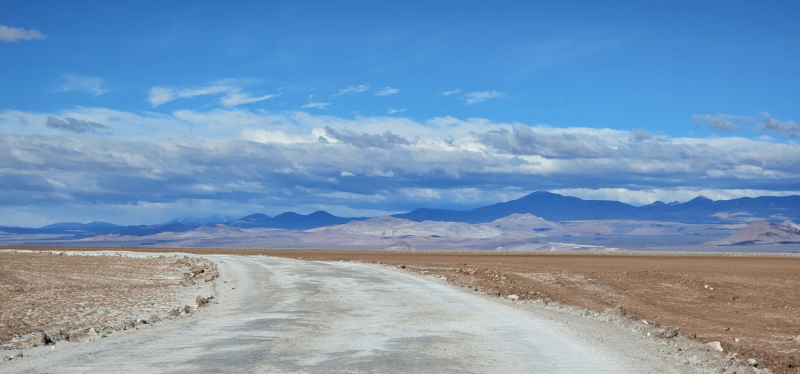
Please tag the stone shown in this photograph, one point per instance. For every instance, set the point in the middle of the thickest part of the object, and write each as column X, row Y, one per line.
column 189, row 282
column 54, row 335
column 186, row 310
column 16, row 356
column 513, row 297
column 201, row 301
column 668, row 332
column 620, row 310
column 752, row 362
column 402, row 266
column 6, row 359
column 92, row 332
column 153, row 319
column 40, row 340
column 172, row 312
column 716, row 346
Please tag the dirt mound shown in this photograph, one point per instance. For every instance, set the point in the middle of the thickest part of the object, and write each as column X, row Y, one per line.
column 760, row 232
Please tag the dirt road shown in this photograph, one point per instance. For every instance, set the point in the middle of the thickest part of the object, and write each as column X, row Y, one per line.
column 277, row 315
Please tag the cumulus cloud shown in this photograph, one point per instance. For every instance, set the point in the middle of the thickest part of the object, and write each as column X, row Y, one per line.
column 316, row 105
column 788, row 129
column 347, row 174
column 386, row 141
column 233, row 96
column 453, row 92
column 10, row 34
column 480, row 96
column 393, row 111
column 92, row 85
column 387, row 91
column 74, row 125
column 523, row 140
column 353, row 89
column 720, row 122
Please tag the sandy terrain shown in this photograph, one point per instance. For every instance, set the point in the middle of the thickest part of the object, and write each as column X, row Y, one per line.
column 72, row 292
column 276, row 315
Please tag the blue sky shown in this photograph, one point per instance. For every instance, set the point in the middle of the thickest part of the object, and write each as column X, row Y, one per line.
column 135, row 113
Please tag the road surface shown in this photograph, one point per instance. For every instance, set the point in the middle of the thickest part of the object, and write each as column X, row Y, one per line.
column 287, row 316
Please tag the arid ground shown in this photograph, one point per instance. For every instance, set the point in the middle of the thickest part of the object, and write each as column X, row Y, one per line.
column 750, row 304
column 47, row 290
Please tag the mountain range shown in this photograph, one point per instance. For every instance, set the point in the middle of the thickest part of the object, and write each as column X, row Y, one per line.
column 545, row 206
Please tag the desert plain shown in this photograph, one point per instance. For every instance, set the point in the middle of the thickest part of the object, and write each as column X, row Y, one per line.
column 748, row 303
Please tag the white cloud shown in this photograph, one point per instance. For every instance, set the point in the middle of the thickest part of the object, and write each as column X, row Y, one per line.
column 393, row 111
column 354, row 89
column 477, row 97
column 289, row 156
column 453, row 92
column 92, row 85
column 316, row 105
column 379, row 173
column 387, row 91
column 10, row 34
column 237, row 98
column 648, row 196
column 233, row 96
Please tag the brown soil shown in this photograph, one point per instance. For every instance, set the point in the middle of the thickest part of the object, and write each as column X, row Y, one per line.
column 44, row 290
column 755, row 299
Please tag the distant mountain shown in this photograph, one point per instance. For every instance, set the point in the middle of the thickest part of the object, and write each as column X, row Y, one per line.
column 760, row 232
column 191, row 219
column 152, row 230
column 80, row 226
column 291, row 221
column 557, row 208
column 390, row 226
column 528, row 224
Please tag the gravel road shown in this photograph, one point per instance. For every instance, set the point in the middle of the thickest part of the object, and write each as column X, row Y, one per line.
column 278, row 315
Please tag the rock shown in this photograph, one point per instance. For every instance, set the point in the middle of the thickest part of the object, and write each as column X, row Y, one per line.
column 513, row 297
column 402, row 266
column 6, row 359
column 153, row 319
column 752, row 362
column 620, row 310
column 92, row 332
column 201, row 301
column 16, row 356
column 54, row 335
column 41, row 340
column 493, row 292
column 736, row 340
column 189, row 282
column 186, row 310
column 172, row 312
column 668, row 332
column 210, row 275
column 715, row 345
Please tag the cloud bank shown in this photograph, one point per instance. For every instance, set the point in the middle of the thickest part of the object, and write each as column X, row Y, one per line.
column 277, row 161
